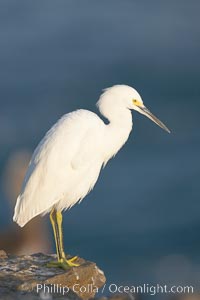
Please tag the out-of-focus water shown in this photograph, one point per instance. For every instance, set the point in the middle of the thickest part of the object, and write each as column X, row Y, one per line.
column 141, row 222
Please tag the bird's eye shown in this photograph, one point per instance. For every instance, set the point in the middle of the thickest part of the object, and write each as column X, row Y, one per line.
column 135, row 101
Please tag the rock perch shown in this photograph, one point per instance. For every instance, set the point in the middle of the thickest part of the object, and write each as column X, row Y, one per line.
column 28, row 277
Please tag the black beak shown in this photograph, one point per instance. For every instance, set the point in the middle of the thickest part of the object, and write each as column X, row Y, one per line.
column 148, row 114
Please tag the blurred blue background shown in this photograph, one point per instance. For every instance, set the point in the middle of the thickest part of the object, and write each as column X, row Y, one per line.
column 141, row 222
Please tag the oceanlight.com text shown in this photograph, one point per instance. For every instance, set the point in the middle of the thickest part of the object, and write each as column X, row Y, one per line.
column 149, row 289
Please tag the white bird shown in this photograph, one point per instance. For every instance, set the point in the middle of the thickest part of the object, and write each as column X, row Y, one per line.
column 66, row 164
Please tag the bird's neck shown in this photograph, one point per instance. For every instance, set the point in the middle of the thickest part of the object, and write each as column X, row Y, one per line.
column 117, row 132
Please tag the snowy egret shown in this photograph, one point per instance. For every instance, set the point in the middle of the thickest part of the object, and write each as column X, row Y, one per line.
column 66, row 164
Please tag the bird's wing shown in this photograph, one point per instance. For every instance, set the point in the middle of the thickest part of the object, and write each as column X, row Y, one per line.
column 88, row 150
column 70, row 144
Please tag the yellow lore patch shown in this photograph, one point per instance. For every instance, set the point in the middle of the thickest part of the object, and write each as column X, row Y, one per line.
column 137, row 103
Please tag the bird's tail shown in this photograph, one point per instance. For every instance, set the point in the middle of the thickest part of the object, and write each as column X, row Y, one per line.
column 18, row 216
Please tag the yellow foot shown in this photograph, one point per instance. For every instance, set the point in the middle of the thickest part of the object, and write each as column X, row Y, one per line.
column 71, row 261
column 64, row 263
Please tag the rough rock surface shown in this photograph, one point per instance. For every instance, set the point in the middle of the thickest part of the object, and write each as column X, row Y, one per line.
column 28, row 277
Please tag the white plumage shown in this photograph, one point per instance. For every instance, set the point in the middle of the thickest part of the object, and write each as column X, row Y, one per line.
column 66, row 164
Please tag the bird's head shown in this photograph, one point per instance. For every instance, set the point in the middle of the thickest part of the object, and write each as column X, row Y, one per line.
column 120, row 97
